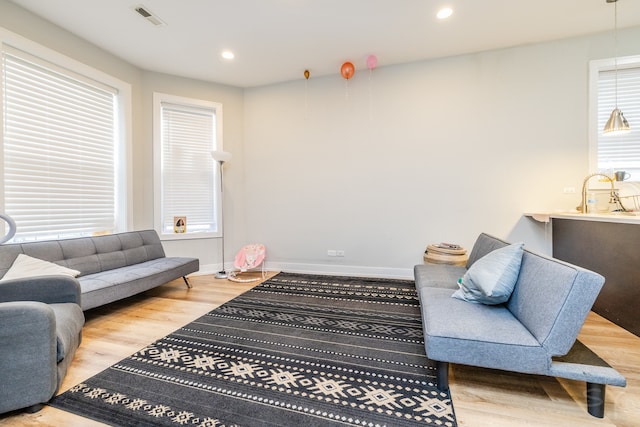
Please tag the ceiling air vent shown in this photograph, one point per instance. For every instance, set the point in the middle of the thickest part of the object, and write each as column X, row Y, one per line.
column 149, row 16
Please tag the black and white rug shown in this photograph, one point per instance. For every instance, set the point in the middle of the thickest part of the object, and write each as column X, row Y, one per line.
column 297, row 350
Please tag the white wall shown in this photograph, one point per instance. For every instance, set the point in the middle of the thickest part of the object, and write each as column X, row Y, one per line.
column 382, row 165
column 388, row 162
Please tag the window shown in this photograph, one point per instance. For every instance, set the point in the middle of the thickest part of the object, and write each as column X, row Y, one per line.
column 609, row 153
column 186, row 131
column 63, row 167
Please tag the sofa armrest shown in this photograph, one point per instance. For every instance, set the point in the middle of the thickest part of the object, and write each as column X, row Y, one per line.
column 47, row 289
column 28, row 371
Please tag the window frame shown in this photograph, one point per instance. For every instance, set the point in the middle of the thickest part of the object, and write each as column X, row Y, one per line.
column 595, row 67
column 123, row 206
column 158, row 100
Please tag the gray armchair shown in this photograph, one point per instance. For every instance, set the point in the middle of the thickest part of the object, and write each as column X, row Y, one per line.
column 40, row 329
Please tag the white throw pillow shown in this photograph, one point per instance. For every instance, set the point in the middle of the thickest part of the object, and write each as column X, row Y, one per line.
column 491, row 279
column 26, row 266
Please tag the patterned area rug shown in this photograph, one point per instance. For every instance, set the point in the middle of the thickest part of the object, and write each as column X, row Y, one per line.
column 297, row 350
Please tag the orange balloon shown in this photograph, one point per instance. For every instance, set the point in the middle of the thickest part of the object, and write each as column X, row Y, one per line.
column 306, row 74
column 347, row 70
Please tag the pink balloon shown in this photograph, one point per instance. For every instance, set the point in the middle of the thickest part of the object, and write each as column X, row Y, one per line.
column 372, row 62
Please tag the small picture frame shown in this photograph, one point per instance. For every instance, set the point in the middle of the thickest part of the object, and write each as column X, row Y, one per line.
column 179, row 224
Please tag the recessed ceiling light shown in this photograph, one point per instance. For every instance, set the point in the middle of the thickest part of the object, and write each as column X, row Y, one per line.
column 444, row 13
column 227, row 54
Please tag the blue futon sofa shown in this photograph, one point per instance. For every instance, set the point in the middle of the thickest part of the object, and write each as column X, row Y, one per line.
column 533, row 330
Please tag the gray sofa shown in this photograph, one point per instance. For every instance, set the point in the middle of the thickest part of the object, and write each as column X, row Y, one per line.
column 111, row 267
column 533, row 332
column 40, row 329
column 41, row 318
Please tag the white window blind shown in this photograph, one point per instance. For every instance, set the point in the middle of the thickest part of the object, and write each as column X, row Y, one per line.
column 58, row 150
column 620, row 152
column 188, row 188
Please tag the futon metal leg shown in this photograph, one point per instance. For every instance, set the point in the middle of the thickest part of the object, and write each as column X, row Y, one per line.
column 442, row 375
column 595, row 399
column 186, row 281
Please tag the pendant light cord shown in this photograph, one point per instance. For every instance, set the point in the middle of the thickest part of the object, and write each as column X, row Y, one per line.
column 615, row 47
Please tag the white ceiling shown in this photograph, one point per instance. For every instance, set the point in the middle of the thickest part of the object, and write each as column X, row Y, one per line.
column 276, row 40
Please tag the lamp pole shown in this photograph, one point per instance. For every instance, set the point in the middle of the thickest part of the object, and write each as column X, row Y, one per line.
column 221, row 157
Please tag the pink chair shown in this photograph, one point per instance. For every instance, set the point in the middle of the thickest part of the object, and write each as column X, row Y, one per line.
column 249, row 257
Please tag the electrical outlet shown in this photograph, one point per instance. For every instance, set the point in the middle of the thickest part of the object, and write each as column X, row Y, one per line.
column 340, row 252
column 569, row 190
column 331, row 252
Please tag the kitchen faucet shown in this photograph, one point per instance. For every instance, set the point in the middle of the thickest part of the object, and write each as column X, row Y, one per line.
column 613, row 198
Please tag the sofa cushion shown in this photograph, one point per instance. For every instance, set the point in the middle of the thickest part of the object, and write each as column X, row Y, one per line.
column 69, row 322
column 477, row 334
column 552, row 299
column 47, row 250
column 26, row 266
column 491, row 279
column 437, row 275
column 106, row 286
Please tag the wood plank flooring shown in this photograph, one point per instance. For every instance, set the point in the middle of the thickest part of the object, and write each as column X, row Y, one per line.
column 481, row 397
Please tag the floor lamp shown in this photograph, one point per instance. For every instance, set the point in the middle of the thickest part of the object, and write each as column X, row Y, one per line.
column 221, row 157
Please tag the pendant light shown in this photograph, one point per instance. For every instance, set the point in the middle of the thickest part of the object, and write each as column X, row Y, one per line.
column 617, row 124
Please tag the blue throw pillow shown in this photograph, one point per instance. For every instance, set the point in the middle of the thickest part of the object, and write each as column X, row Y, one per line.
column 491, row 279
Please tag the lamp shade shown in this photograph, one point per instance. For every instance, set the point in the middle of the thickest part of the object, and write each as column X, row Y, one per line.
column 616, row 124
column 221, row 156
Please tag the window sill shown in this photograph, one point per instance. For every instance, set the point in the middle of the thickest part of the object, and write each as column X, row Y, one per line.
column 189, row 236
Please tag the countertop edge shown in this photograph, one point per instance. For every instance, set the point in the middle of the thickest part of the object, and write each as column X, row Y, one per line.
column 611, row 217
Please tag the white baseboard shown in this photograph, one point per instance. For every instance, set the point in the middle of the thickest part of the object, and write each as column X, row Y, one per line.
column 208, row 269
column 326, row 269
column 342, row 270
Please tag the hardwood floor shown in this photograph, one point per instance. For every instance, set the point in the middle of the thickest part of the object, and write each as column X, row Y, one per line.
column 481, row 397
